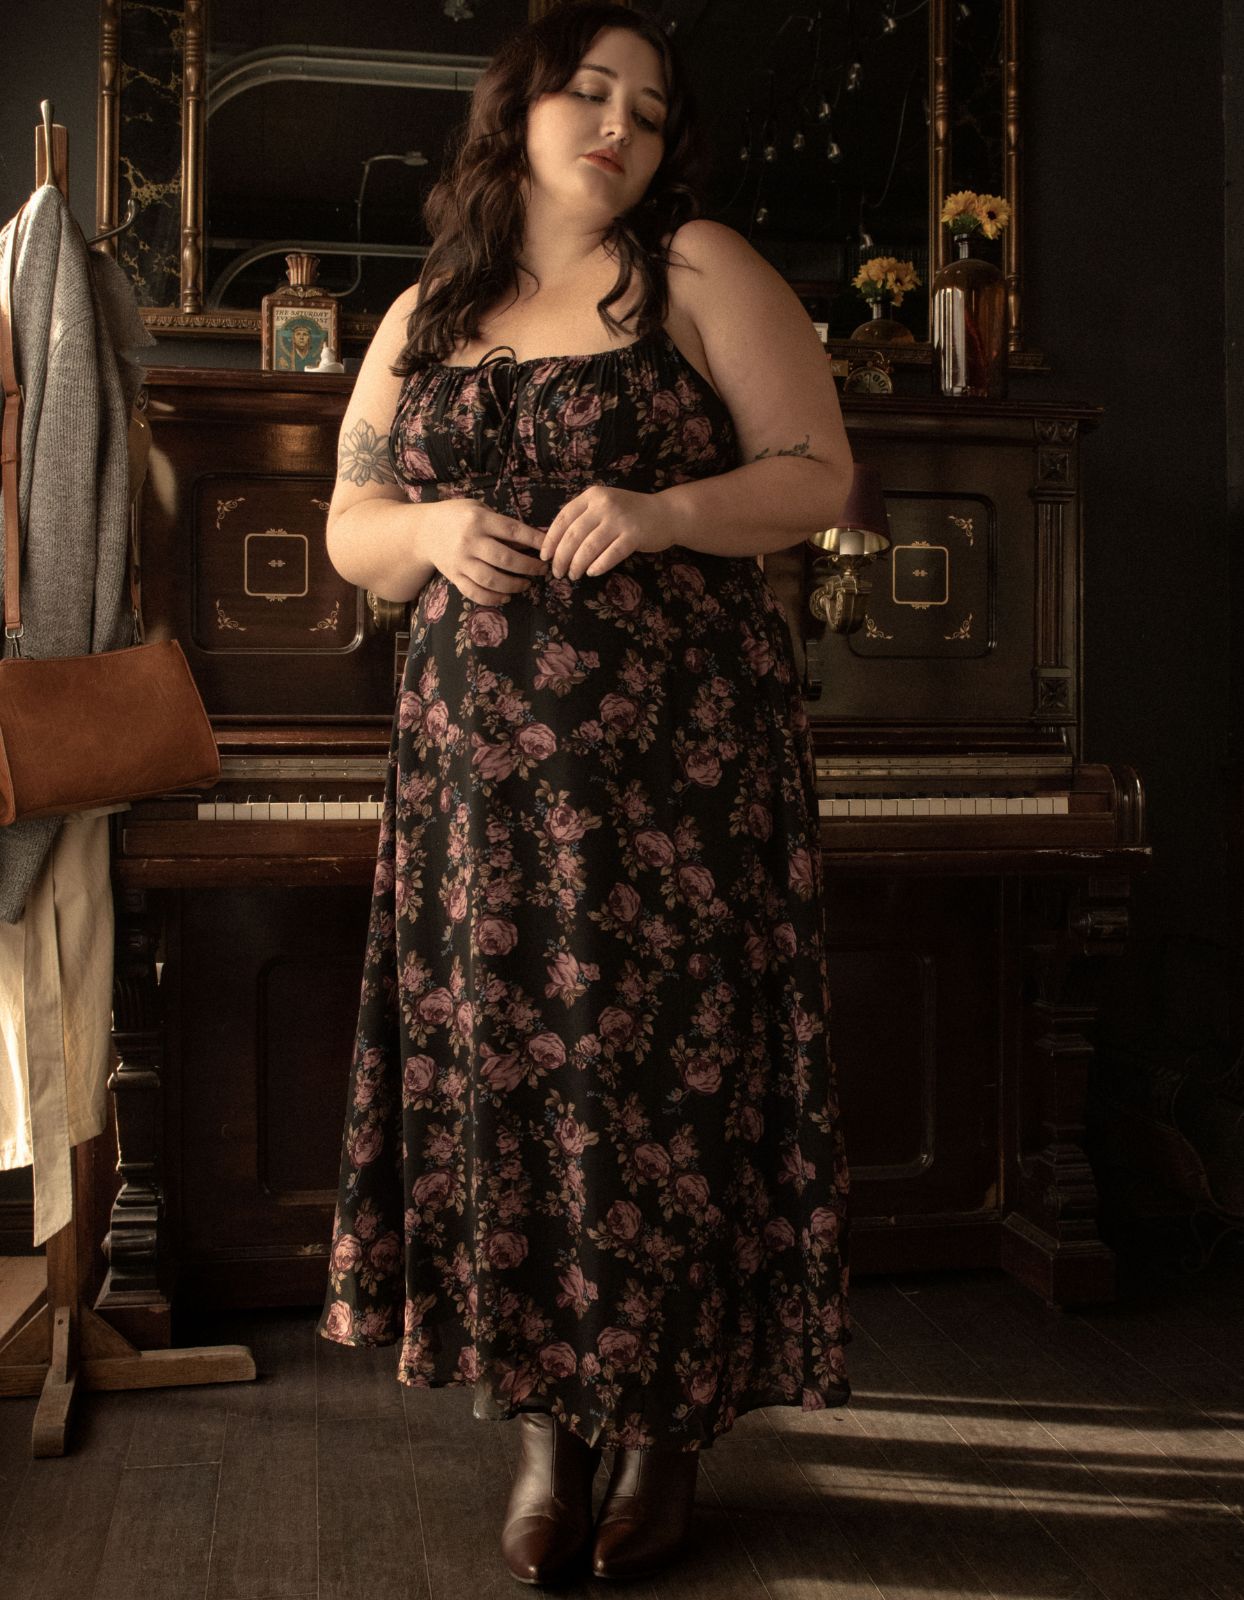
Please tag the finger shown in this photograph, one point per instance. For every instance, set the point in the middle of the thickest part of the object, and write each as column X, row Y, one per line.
column 594, row 546
column 572, row 538
column 506, row 559
column 519, row 532
column 492, row 577
column 558, row 526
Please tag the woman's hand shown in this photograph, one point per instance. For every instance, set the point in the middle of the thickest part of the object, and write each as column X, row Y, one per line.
column 474, row 548
column 601, row 527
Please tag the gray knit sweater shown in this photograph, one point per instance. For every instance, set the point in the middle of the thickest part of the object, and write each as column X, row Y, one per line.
column 77, row 336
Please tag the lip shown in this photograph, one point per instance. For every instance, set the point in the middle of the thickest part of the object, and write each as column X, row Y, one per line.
column 602, row 158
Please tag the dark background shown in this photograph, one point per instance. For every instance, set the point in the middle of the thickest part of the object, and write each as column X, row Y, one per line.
column 1134, row 282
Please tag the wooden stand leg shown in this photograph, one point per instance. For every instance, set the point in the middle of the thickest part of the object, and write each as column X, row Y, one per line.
column 61, row 1346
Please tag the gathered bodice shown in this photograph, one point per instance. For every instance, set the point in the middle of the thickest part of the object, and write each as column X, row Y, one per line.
column 525, row 436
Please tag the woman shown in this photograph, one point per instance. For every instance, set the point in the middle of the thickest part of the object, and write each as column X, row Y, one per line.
column 592, row 1164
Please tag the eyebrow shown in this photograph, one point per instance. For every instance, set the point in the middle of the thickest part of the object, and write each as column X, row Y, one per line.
column 595, row 66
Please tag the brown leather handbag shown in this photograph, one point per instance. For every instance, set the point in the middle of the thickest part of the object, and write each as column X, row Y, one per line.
column 78, row 732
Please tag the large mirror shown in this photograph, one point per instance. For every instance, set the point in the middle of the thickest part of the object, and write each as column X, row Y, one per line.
column 243, row 130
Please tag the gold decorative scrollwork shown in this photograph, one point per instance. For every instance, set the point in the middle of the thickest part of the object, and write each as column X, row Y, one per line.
column 224, row 507
column 963, row 631
column 872, row 631
column 223, row 621
column 330, row 621
column 965, row 526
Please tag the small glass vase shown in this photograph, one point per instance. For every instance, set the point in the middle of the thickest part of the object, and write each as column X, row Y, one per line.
column 880, row 329
column 969, row 327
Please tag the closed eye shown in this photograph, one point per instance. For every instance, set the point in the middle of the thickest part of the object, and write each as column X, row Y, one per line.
column 644, row 122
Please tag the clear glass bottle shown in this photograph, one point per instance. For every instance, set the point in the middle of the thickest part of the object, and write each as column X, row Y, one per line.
column 969, row 327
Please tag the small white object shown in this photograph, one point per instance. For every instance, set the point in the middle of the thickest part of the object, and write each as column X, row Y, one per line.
column 327, row 363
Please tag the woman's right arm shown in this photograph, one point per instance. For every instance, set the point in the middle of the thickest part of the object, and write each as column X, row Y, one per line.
column 383, row 541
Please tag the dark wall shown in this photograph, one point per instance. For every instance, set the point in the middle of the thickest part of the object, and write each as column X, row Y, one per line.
column 1124, row 258
column 52, row 56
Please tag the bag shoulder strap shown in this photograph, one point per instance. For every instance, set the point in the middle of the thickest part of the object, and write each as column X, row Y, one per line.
column 10, row 446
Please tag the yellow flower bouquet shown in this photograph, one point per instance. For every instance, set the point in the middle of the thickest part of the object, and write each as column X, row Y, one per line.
column 967, row 212
column 886, row 278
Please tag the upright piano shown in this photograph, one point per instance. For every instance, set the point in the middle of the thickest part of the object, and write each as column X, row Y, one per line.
column 978, row 869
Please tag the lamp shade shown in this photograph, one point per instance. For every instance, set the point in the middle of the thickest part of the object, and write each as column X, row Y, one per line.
column 862, row 528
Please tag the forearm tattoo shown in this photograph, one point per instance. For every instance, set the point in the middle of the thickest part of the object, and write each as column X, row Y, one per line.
column 795, row 449
column 363, row 456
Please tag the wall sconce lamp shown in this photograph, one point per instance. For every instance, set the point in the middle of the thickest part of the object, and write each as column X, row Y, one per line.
column 861, row 534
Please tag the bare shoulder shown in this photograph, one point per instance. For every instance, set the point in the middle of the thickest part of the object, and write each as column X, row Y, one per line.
column 722, row 273
column 766, row 359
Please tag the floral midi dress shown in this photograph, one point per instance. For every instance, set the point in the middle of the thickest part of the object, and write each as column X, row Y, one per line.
column 592, row 1161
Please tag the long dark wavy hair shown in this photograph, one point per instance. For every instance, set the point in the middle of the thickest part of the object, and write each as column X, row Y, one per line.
column 475, row 212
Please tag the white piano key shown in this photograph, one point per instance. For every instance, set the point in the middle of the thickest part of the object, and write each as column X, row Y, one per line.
column 937, row 805
column 889, row 806
column 998, row 805
column 1029, row 805
column 258, row 810
column 872, row 805
column 1045, row 805
column 296, row 811
column 921, row 806
column 350, row 811
column 207, row 811
column 906, row 806
column 372, row 810
column 333, row 810
column 1062, row 804
column 955, row 805
column 278, row 811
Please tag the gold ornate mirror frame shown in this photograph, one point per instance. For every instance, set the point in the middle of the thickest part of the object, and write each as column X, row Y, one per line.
column 190, row 318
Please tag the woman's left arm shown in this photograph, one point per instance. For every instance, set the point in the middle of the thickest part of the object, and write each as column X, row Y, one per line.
column 769, row 367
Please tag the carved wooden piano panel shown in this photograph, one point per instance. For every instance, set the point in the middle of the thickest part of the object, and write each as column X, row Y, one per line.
column 977, row 868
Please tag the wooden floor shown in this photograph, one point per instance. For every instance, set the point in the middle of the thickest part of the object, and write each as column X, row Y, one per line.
column 992, row 1448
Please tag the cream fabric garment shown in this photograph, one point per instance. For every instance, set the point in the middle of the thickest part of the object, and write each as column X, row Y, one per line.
column 56, row 1016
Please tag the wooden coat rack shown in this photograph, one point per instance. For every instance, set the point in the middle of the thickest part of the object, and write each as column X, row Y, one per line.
column 52, row 1343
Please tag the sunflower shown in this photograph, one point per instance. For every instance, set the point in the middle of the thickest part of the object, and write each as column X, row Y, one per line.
column 994, row 214
column 960, row 208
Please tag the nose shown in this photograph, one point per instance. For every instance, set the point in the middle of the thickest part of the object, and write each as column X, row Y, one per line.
column 617, row 121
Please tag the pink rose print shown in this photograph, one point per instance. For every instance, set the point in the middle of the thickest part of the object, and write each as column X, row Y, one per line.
column 339, row 1324
column 437, row 1007
column 486, row 627
column 577, row 1291
column 624, row 1220
column 504, row 1247
column 536, row 740
column 615, row 1025
column 419, row 1075
column 664, row 407
column 558, row 1360
column 779, row 1235
column 692, row 1190
column 436, row 720
column 702, row 1074
column 564, row 823
column 622, row 592
column 571, row 1135
column 432, row 1189
column 618, row 1346
column 556, row 666
column 385, row 1255
column 495, row 936
column 703, row 767
column 696, row 883
column 365, row 1144
column 347, row 1253
column 581, row 411
column 652, row 1161
column 619, row 711
column 502, row 1072
column 623, row 902
column 654, row 848
column 438, row 598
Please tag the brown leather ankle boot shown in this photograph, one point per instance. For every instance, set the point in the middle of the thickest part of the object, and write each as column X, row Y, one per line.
column 548, row 1521
column 646, row 1513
